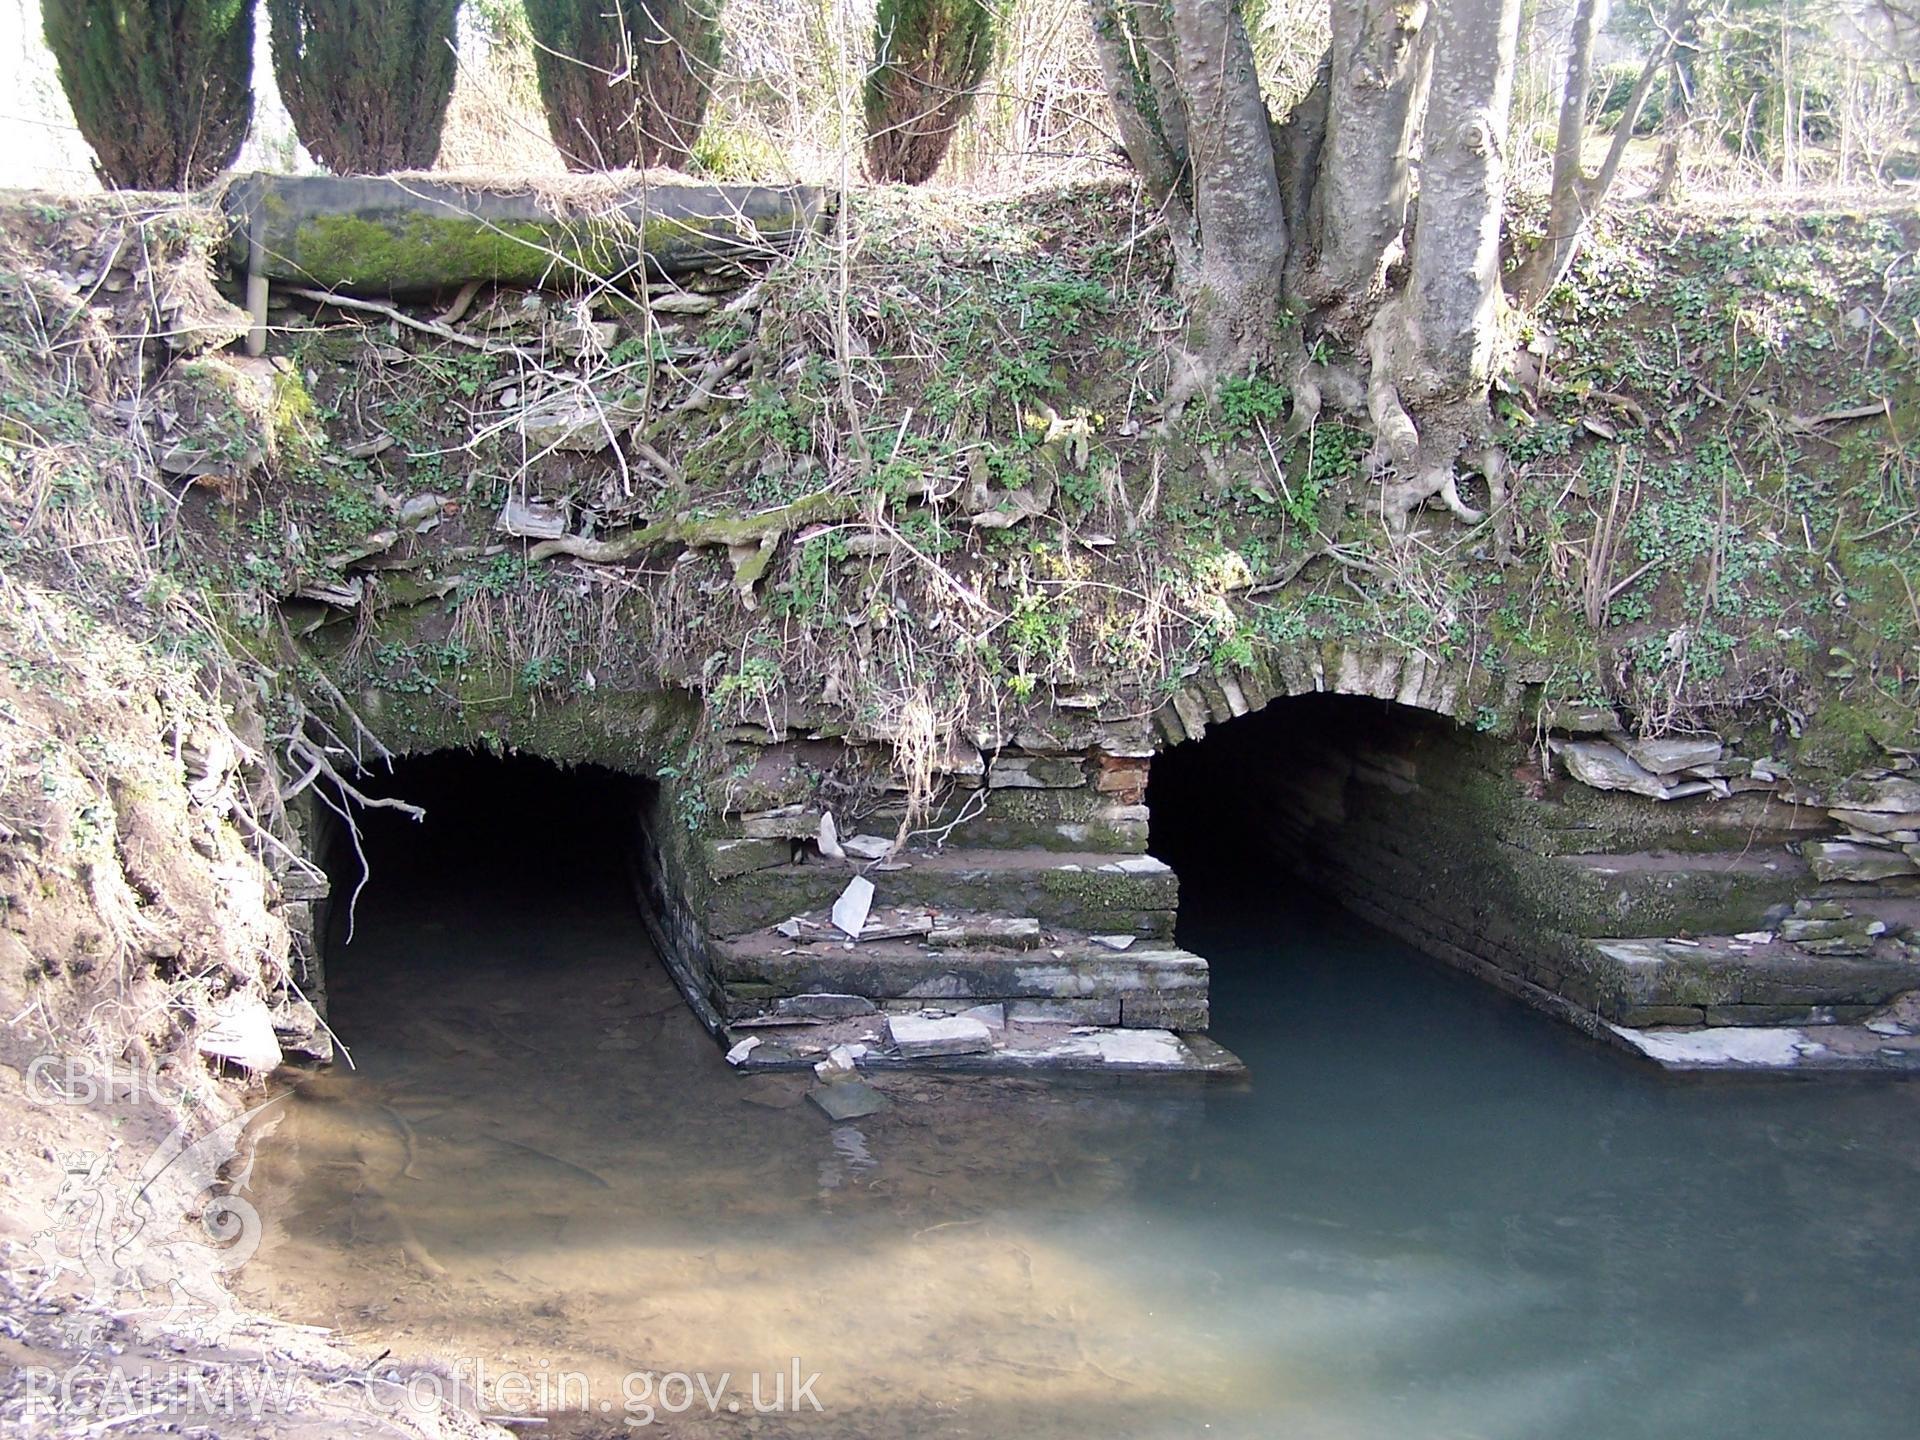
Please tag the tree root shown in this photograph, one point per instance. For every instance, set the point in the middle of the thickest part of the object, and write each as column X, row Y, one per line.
column 1428, row 452
column 695, row 532
column 435, row 328
column 308, row 753
column 749, row 540
column 302, row 665
column 1397, row 441
column 1491, row 461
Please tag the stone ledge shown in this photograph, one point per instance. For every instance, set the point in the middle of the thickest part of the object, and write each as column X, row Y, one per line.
column 885, row 971
column 1724, row 973
column 1774, row 1048
column 1020, row 1046
column 1077, row 891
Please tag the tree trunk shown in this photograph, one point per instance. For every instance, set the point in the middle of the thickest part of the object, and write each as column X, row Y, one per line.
column 1602, row 184
column 1234, row 307
column 1574, row 206
column 1453, row 293
column 1432, row 347
column 1297, row 144
column 1125, row 66
column 1358, row 213
column 1154, row 29
column 1567, row 215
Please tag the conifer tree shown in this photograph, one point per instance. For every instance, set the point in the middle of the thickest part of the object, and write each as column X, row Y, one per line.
column 162, row 89
column 929, row 56
column 625, row 82
column 366, row 81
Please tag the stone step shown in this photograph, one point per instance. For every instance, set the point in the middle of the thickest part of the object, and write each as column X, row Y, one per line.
column 1090, row 892
column 1867, row 1047
column 1723, row 980
column 1074, row 980
column 1662, row 893
column 1013, row 819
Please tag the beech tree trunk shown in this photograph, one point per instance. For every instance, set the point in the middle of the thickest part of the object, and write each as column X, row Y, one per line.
column 1453, row 290
column 1432, row 348
column 1235, row 309
column 1186, row 96
column 1315, row 210
column 1358, row 212
column 1144, row 119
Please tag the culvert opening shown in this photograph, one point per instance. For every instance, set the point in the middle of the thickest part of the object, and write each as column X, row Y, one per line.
column 1273, row 795
column 500, row 834
column 1288, row 824
column 523, row 885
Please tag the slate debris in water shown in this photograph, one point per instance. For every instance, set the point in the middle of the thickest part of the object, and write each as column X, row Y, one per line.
column 847, row 1099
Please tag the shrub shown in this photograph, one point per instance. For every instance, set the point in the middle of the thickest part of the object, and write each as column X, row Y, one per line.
column 928, row 58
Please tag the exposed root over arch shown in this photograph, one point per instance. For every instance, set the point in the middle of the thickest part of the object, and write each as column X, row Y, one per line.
column 1427, row 453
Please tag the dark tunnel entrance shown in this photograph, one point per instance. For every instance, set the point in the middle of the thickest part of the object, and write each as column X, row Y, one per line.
column 520, row 874
column 1291, row 825
column 1268, row 798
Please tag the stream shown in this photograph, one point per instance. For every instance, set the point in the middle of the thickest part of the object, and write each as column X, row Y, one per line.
column 1430, row 1213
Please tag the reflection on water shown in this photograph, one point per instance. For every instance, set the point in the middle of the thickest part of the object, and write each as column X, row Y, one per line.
column 1431, row 1214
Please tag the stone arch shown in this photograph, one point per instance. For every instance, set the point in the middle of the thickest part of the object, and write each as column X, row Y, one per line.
column 1409, row 678
column 1411, row 820
column 1663, row 894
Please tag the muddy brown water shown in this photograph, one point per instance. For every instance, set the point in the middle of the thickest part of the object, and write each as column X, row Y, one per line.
column 1431, row 1214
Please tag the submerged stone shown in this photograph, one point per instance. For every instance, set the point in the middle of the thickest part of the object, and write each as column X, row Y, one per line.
column 847, row 1100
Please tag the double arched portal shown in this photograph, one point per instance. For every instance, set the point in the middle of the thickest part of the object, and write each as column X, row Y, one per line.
column 1405, row 818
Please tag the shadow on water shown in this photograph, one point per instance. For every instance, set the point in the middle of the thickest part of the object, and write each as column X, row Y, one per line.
column 1432, row 1213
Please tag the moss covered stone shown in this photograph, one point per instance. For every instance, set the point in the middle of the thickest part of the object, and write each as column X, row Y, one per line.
column 382, row 235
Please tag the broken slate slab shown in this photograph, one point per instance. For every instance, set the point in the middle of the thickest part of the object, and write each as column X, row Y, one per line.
column 1726, row 1047
column 839, row 1065
column 739, row 1053
column 1844, row 860
column 682, row 302
column 1016, row 931
column 915, row 1035
column 1139, row 865
column 850, row 910
column 531, row 519
column 1671, row 755
column 774, row 1092
column 867, row 847
column 847, row 1100
column 789, row 822
column 898, row 926
column 1113, row 942
column 242, row 1034
column 1606, row 767
column 824, row 1005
